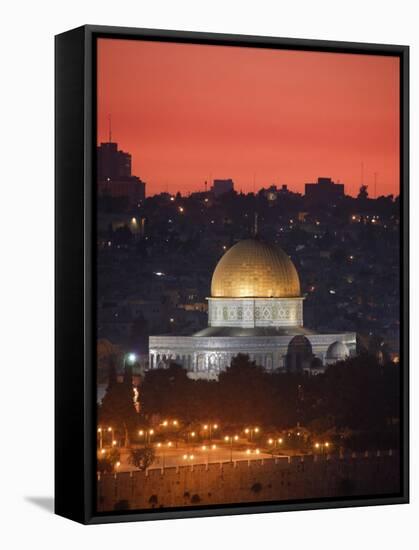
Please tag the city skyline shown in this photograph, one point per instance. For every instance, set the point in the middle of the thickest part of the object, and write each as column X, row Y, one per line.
column 231, row 124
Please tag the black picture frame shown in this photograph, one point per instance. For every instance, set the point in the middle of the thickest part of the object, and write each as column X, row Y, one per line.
column 75, row 269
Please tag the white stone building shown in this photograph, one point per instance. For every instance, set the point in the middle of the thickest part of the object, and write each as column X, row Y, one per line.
column 255, row 308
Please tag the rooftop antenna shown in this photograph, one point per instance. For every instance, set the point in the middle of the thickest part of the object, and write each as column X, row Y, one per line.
column 362, row 173
column 110, row 128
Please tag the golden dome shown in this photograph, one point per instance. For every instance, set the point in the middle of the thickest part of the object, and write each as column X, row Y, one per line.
column 255, row 269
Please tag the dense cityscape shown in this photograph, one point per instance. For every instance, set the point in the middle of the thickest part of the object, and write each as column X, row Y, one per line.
column 155, row 259
column 156, row 256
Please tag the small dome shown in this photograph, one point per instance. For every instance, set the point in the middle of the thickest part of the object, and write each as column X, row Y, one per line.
column 255, row 269
column 337, row 351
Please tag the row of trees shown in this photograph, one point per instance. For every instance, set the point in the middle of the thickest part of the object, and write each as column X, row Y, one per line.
column 358, row 394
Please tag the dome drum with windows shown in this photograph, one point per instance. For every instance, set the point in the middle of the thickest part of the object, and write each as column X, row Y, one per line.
column 255, row 284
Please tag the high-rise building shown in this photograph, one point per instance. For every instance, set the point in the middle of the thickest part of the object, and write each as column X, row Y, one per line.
column 114, row 175
column 324, row 192
column 219, row 187
column 112, row 163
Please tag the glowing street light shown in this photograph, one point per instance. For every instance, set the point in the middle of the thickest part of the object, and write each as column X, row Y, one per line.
column 208, row 449
column 111, row 431
column 251, row 431
column 99, row 431
column 322, row 446
column 208, row 428
column 249, row 451
column 190, row 435
column 162, row 446
column 275, row 442
column 146, row 434
column 131, row 358
column 230, row 439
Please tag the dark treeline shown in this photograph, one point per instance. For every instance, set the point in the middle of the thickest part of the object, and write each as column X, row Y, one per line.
column 358, row 395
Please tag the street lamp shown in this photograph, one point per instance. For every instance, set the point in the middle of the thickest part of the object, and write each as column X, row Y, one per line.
column 161, row 446
column 230, row 439
column 275, row 442
column 208, row 428
column 321, row 446
column 110, row 430
column 249, row 451
column 191, row 434
column 208, row 449
column 146, row 434
column 251, row 431
column 99, row 431
column 188, row 457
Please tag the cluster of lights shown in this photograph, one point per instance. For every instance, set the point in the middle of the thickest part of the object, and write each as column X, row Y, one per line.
column 188, row 457
column 272, row 441
column 159, row 445
column 318, row 445
column 231, row 438
column 208, row 447
column 166, row 423
column 206, row 426
column 249, row 451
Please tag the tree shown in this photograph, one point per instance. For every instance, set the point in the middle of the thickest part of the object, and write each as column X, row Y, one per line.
column 104, row 465
column 142, row 457
column 114, row 456
column 118, row 408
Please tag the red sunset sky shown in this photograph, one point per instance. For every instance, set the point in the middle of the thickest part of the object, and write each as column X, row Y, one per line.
column 190, row 113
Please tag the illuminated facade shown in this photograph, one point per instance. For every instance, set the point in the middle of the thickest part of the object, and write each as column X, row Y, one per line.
column 255, row 308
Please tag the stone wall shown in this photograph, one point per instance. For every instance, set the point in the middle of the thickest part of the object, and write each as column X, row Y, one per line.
column 282, row 478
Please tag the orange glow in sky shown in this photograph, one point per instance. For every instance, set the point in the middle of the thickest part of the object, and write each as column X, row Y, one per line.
column 191, row 113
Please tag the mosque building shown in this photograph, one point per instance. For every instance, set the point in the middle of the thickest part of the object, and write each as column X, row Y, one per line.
column 255, row 308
